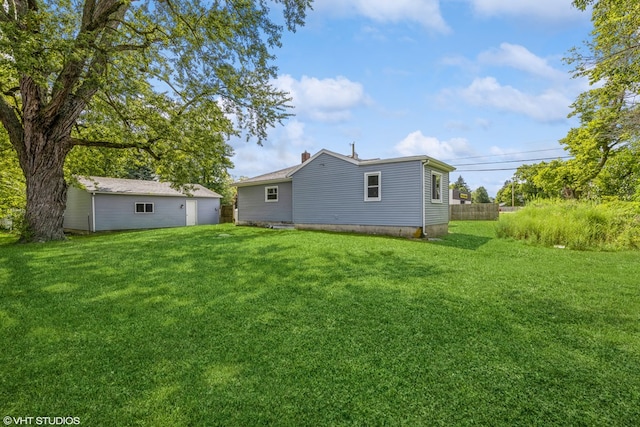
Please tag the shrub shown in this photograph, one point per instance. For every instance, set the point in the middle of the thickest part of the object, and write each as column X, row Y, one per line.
column 576, row 225
column 12, row 220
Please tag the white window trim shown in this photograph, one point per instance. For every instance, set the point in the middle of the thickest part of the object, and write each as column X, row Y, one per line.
column 266, row 194
column 135, row 208
column 366, row 187
column 433, row 173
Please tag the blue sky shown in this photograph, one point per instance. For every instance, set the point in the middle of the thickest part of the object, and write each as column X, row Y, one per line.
column 464, row 81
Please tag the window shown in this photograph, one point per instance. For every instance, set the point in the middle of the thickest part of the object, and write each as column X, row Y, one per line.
column 372, row 187
column 436, row 187
column 271, row 194
column 144, row 207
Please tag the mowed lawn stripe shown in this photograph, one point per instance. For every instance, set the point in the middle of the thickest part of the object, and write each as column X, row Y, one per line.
column 223, row 325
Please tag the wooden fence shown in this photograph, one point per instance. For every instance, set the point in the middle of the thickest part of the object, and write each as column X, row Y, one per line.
column 474, row 211
column 226, row 214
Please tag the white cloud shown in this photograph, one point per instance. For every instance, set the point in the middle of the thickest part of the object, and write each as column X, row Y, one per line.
column 520, row 58
column 547, row 99
column 424, row 12
column 550, row 105
column 293, row 132
column 550, row 10
column 417, row 143
column 326, row 100
column 281, row 150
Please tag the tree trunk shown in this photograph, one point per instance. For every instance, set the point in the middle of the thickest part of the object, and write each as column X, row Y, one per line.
column 46, row 189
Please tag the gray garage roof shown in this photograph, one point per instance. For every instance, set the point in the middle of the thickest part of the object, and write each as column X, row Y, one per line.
column 102, row 185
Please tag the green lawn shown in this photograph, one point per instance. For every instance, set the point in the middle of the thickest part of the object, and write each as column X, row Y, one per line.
column 235, row 326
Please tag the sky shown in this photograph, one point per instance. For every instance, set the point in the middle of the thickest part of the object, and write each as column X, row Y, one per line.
column 478, row 84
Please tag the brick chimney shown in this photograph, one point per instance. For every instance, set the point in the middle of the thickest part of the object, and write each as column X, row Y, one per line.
column 305, row 156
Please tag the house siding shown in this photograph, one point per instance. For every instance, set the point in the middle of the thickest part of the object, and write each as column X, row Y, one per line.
column 77, row 215
column 436, row 213
column 117, row 212
column 252, row 207
column 330, row 190
column 208, row 211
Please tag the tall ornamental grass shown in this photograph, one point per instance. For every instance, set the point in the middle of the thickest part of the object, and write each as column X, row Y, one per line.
column 611, row 226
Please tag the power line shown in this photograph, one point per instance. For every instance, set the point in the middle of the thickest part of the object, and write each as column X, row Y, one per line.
column 505, row 154
column 514, row 161
column 486, row 170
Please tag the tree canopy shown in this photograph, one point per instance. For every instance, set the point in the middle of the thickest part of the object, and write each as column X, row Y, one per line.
column 460, row 185
column 11, row 181
column 169, row 80
column 480, row 195
column 609, row 112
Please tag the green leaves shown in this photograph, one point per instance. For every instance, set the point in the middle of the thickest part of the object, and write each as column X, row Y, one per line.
column 150, row 62
column 12, row 187
column 460, row 184
column 609, row 113
column 169, row 81
column 480, row 195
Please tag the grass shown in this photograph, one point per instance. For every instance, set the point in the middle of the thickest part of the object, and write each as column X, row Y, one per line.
column 234, row 326
column 577, row 225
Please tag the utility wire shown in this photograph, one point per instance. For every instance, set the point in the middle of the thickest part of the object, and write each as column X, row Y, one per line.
column 505, row 154
column 486, row 170
column 513, row 161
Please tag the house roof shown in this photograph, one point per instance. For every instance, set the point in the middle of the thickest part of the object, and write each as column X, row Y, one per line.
column 103, row 185
column 271, row 177
column 284, row 175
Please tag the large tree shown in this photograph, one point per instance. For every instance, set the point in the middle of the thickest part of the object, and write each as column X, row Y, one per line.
column 609, row 113
column 171, row 79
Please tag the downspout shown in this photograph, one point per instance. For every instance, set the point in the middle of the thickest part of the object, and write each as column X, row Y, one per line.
column 93, row 212
column 424, row 199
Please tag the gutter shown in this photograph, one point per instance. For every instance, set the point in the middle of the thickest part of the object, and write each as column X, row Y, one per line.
column 93, row 213
column 438, row 164
column 249, row 183
column 424, row 200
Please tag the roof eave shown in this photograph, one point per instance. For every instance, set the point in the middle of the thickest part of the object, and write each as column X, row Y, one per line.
column 393, row 160
column 422, row 158
column 123, row 193
column 438, row 164
column 318, row 154
column 249, row 183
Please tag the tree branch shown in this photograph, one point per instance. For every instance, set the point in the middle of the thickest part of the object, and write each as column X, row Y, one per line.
column 121, row 146
column 94, row 22
column 11, row 123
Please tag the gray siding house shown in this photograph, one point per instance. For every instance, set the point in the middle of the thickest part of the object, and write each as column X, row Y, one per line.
column 101, row 204
column 405, row 196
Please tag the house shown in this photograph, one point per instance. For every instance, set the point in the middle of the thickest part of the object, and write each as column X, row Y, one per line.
column 405, row 196
column 457, row 197
column 100, row 204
